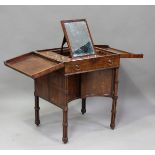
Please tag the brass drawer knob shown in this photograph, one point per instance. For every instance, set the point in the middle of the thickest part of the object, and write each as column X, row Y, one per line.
column 109, row 61
column 77, row 67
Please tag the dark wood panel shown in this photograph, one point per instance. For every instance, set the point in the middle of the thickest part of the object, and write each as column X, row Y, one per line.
column 74, row 87
column 41, row 87
column 51, row 87
column 97, row 83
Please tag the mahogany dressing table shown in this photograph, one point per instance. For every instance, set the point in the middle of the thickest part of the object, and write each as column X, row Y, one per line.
column 63, row 74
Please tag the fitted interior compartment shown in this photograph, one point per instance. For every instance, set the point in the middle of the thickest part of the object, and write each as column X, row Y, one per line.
column 64, row 56
column 123, row 54
column 101, row 50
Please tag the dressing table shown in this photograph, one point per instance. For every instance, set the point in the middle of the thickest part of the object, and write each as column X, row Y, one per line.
column 79, row 70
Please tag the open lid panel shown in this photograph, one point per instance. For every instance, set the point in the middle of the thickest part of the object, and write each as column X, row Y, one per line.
column 123, row 54
column 33, row 64
column 78, row 37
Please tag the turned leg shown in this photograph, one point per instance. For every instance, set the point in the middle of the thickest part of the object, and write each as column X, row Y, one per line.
column 113, row 112
column 83, row 108
column 114, row 98
column 37, row 120
column 65, row 125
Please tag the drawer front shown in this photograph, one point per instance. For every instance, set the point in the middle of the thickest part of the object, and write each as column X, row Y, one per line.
column 86, row 65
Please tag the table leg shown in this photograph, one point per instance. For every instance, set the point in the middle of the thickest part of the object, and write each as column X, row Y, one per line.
column 83, row 109
column 65, row 125
column 113, row 112
column 114, row 98
column 37, row 120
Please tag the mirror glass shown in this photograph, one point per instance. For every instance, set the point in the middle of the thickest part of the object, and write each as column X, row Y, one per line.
column 79, row 38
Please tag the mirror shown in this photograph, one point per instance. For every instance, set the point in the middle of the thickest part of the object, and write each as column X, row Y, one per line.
column 78, row 37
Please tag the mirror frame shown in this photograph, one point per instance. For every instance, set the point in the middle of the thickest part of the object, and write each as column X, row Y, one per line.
column 67, row 37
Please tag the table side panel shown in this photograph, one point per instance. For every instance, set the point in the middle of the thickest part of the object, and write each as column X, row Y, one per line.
column 97, row 83
column 51, row 87
column 74, row 87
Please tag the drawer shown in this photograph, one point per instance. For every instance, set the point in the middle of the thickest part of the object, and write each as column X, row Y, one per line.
column 95, row 63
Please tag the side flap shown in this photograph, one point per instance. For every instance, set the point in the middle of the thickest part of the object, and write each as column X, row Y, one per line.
column 33, row 64
column 123, row 54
